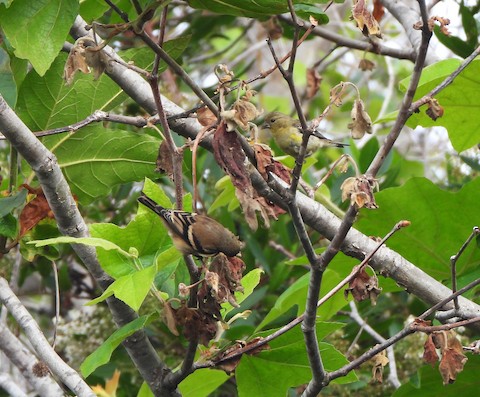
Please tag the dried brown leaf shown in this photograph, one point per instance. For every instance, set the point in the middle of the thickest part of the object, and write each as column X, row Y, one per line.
column 164, row 160
column 364, row 287
column 313, row 82
column 435, row 110
column 430, row 355
column 206, row 117
column 360, row 191
column 273, row 27
column 380, row 361
column 366, row 65
column 453, row 359
column 378, row 10
column 361, row 121
column 365, row 20
column 35, row 211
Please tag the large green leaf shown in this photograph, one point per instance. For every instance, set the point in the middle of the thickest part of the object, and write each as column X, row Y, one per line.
column 202, row 383
column 145, row 233
column 131, row 288
column 440, row 223
column 8, row 87
column 248, row 8
column 95, row 159
column 104, row 352
column 458, row 100
column 45, row 102
column 38, row 29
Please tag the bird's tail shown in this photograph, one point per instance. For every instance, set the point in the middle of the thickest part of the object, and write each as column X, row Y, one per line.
column 149, row 203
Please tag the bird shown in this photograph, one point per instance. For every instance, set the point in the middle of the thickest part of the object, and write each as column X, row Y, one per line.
column 195, row 234
column 287, row 133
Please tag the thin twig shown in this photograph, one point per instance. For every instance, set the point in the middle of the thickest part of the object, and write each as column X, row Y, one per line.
column 57, row 302
column 95, row 117
column 355, row 315
column 404, row 113
column 454, row 259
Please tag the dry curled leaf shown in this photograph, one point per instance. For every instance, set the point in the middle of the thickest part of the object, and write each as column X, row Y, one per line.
column 430, row 355
column 164, row 160
column 224, row 75
column 435, row 110
column 366, row 65
column 273, row 27
column 313, row 82
column 443, row 22
column 361, row 121
column 360, row 191
column 378, row 10
column 453, row 359
column 365, row 20
column 380, row 360
column 85, row 54
column 364, row 287
column 229, row 155
column 206, row 117
column 240, row 114
column 36, row 210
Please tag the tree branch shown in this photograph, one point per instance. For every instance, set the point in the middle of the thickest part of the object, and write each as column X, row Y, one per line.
column 66, row 374
column 24, row 360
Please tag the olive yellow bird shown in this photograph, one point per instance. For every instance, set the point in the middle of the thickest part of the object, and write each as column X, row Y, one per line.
column 287, row 133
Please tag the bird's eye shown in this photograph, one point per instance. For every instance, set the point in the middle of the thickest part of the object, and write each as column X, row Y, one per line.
column 272, row 120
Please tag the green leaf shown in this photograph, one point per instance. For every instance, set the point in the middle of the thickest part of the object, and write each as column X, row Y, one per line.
column 145, row 391
column 8, row 204
column 93, row 9
column 95, row 159
column 131, row 289
column 249, row 282
column 146, row 233
column 458, row 100
column 8, row 87
column 305, row 11
column 104, row 352
column 454, row 43
column 45, row 102
column 251, row 9
column 38, row 29
column 440, row 223
column 469, row 25
column 8, row 226
column 287, row 359
column 91, row 241
column 202, row 383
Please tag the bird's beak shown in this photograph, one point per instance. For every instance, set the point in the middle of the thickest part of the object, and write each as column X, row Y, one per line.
column 266, row 125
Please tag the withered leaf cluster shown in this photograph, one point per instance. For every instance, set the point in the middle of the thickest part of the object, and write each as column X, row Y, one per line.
column 229, row 154
column 451, row 350
column 85, row 54
column 222, row 280
column 360, row 191
column 364, row 287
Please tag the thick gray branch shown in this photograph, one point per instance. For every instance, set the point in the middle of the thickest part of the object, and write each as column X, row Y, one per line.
column 407, row 12
column 35, row 336
column 24, row 360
